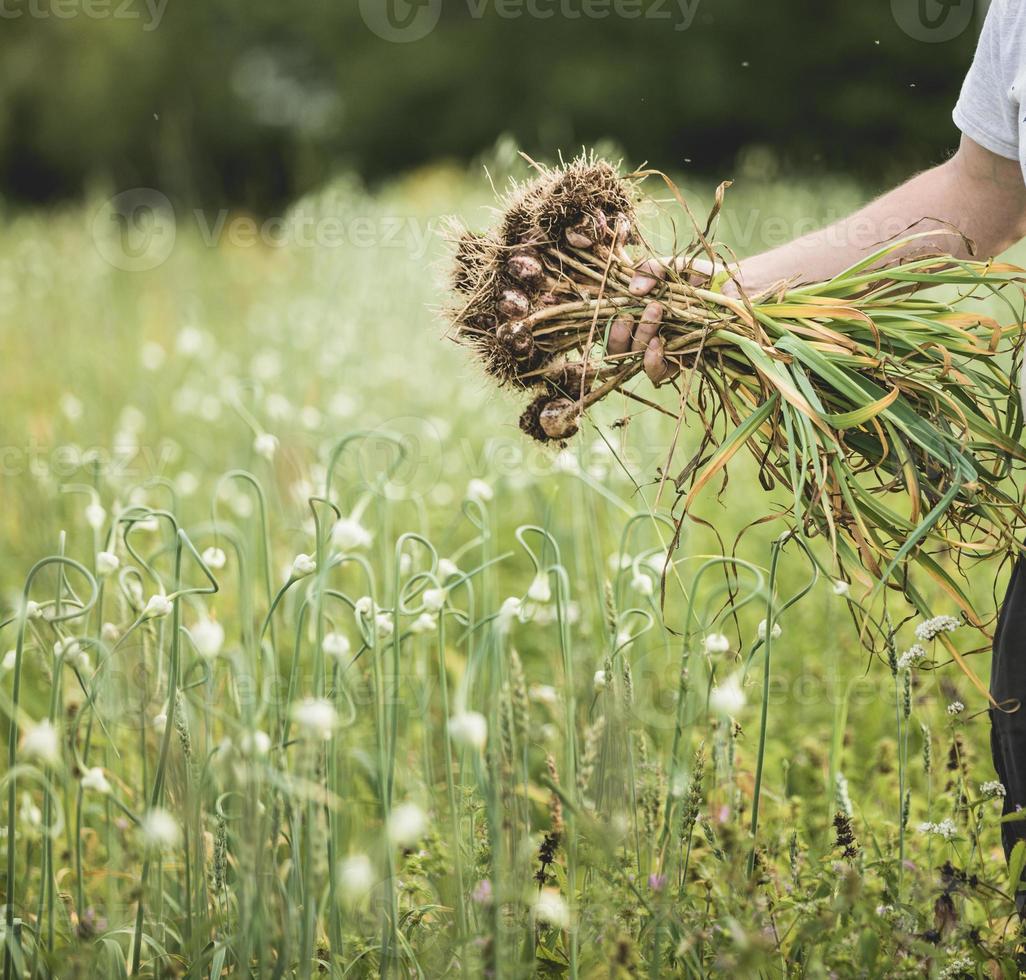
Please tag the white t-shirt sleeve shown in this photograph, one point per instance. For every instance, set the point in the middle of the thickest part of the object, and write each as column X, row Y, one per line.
column 985, row 111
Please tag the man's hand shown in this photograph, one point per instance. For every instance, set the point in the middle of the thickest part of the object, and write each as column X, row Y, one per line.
column 976, row 195
column 625, row 336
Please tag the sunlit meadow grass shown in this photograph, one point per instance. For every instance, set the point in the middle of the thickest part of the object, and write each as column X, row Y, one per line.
column 325, row 669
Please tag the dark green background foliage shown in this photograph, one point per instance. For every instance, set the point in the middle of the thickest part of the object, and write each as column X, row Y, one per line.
column 251, row 101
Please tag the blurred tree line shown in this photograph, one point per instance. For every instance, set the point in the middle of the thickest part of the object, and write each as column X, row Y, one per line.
column 249, row 102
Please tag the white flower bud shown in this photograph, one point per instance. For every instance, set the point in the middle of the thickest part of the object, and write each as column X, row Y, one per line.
column 434, row 599
column 41, row 742
column 265, row 445
column 214, row 558
column 336, row 646
column 716, row 643
column 349, row 534
column 160, row 830
column 95, row 780
column 107, row 562
column 157, row 605
column 540, row 591
column 479, row 491
column 470, row 729
column 208, row 637
column 303, row 565
column 407, row 824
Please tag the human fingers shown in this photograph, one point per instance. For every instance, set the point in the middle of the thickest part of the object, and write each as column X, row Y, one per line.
column 648, row 327
column 656, row 366
column 620, row 332
column 646, row 276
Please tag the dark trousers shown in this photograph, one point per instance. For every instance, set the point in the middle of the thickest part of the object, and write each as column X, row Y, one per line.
column 1008, row 729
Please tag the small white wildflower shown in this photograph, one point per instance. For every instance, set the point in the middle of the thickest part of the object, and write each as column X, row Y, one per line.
column 434, row 599
column 405, row 564
column 479, row 491
column 540, row 590
column 470, row 728
column 355, row 877
column 109, row 633
column 407, row 824
column 160, row 722
column 930, row 628
column 33, row 610
column 95, row 780
column 186, row 483
column 265, row 445
column 384, row 625
column 728, row 697
column 10, row 658
column 336, row 646
column 190, row 341
column 364, row 607
column 716, row 643
column 349, row 534
column 214, row 558
column 160, row 830
column 617, row 562
column 599, row 681
column 960, row 966
column 447, row 569
column 208, row 637
column 550, row 908
column 911, row 657
column 317, row 716
column 424, row 623
column 841, row 587
column 302, row 565
column 543, row 694
column 255, row 743
column 95, row 515
column 67, row 647
column 762, row 630
column 73, row 653
column 642, row 584
column 660, row 562
column 946, row 829
column 106, row 563
column 511, row 609
column 42, row 742
column 71, row 407
column 157, row 605
column 623, row 638
column 151, row 356
column 993, row 787
column 955, row 708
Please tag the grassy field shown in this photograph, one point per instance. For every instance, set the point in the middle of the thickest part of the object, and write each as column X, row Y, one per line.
column 326, row 669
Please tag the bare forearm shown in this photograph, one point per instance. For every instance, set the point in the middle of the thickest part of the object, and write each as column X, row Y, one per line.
column 973, row 200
